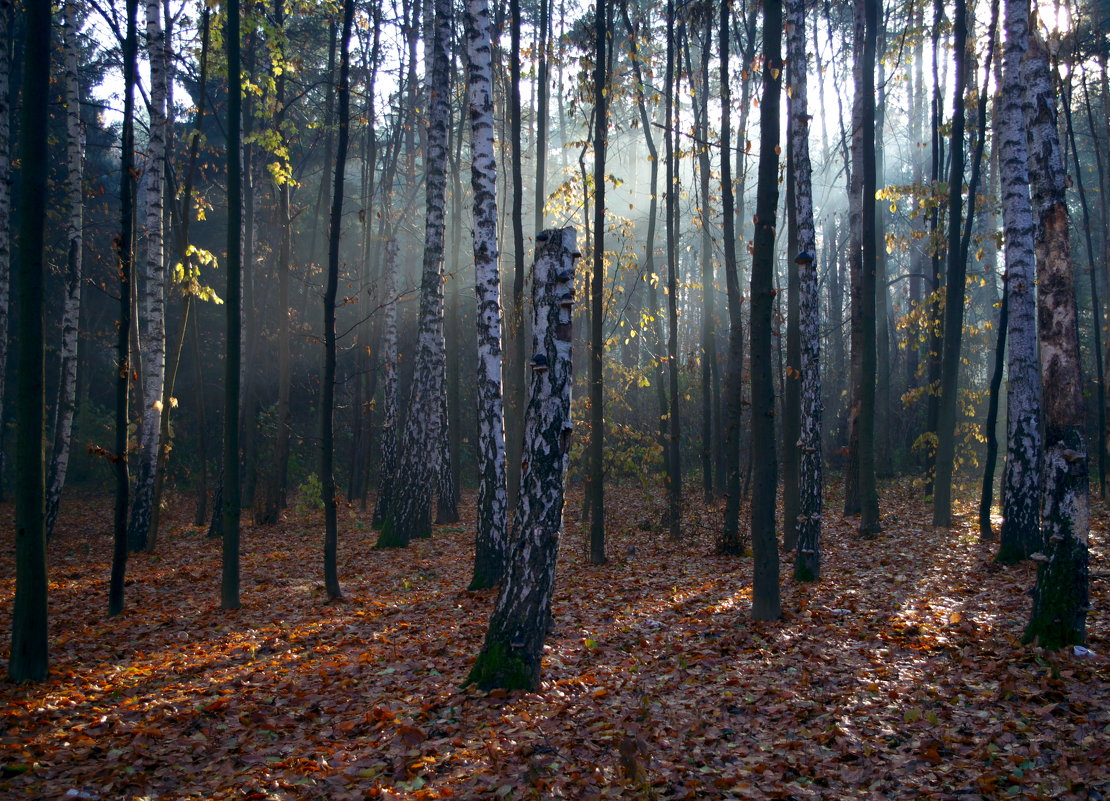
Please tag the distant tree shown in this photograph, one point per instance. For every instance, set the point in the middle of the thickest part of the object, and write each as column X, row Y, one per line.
column 410, row 514
column 765, row 585
column 29, row 657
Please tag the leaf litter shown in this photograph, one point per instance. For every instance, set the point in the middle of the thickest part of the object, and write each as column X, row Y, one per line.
column 899, row 676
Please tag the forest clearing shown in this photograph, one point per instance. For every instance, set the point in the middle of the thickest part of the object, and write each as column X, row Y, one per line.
column 899, row 675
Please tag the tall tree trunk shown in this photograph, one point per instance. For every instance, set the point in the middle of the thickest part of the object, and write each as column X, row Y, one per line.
column 954, row 292
column 29, row 657
column 597, row 290
column 730, row 536
column 6, row 24
column 674, row 460
column 152, row 311
column 869, row 524
column 521, row 619
column 126, row 251
column 515, row 384
column 284, row 434
column 1021, row 477
column 765, row 582
column 229, row 581
column 410, row 514
column 807, row 558
column 327, row 382
column 490, row 534
column 1061, row 596
column 62, row 428
column 388, row 469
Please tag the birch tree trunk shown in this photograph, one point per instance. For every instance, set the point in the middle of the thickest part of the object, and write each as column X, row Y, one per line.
column 388, row 469
column 1021, row 476
column 490, row 534
column 1060, row 598
column 807, row 558
column 521, row 619
column 410, row 514
column 152, row 313
column 71, row 311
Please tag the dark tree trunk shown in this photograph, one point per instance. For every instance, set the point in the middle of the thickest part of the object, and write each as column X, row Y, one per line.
column 597, row 291
column 765, row 587
column 29, row 659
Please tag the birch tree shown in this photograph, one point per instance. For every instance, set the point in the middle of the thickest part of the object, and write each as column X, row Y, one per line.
column 152, row 311
column 1060, row 598
column 410, row 513
column 521, row 619
column 62, row 427
column 807, row 560
column 490, row 535
column 1021, row 477
column 388, row 469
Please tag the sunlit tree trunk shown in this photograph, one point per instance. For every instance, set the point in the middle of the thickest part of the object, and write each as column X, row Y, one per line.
column 807, row 560
column 29, row 656
column 62, row 428
column 490, row 534
column 521, row 619
column 152, row 310
column 765, row 585
column 1061, row 596
column 410, row 513
column 954, row 286
column 1021, row 477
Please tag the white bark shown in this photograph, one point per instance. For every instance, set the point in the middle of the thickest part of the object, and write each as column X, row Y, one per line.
column 808, row 555
column 71, row 311
column 388, row 473
column 491, row 535
column 152, row 313
column 410, row 515
column 521, row 618
column 1021, row 478
column 1061, row 597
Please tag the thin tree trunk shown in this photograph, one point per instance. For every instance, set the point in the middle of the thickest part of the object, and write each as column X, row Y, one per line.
column 597, row 291
column 125, row 249
column 152, row 312
column 807, row 558
column 490, row 535
column 62, row 427
column 954, row 287
column 388, row 468
column 765, row 583
column 674, row 460
column 516, row 358
column 6, row 23
column 327, row 382
column 229, row 582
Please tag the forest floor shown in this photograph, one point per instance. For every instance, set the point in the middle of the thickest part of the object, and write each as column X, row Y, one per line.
column 899, row 675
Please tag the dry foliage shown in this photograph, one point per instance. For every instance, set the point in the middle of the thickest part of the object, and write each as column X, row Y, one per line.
column 898, row 676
